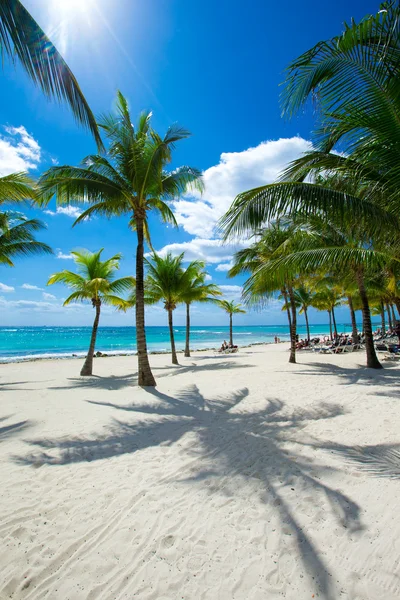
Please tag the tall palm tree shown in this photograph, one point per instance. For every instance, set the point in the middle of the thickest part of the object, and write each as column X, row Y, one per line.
column 21, row 37
column 131, row 179
column 168, row 281
column 197, row 291
column 17, row 237
column 94, row 282
column 232, row 308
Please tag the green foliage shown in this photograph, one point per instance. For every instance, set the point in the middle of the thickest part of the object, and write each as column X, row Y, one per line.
column 17, row 238
column 131, row 178
column 230, row 307
column 95, row 279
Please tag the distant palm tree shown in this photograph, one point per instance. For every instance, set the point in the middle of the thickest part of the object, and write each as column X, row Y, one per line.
column 231, row 308
column 17, row 237
column 21, row 37
column 131, row 179
column 197, row 291
column 166, row 280
column 94, row 282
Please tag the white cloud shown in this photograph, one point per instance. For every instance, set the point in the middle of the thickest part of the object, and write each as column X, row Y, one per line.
column 47, row 296
column 64, row 256
column 224, row 267
column 69, row 211
column 28, row 286
column 211, row 251
column 234, row 292
column 19, row 151
column 208, row 277
column 235, row 173
column 7, row 289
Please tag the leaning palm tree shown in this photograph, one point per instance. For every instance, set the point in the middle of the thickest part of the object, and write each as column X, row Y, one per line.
column 94, row 282
column 197, row 291
column 131, row 179
column 21, row 37
column 17, row 238
column 168, row 281
column 232, row 308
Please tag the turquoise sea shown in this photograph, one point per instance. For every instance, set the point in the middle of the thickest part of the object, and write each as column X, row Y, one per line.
column 18, row 343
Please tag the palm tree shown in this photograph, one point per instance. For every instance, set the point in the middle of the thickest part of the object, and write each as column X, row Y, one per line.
column 17, row 237
column 197, row 291
column 304, row 299
column 131, row 179
column 258, row 289
column 168, row 281
column 21, row 37
column 355, row 76
column 327, row 298
column 94, row 282
column 347, row 230
column 231, row 308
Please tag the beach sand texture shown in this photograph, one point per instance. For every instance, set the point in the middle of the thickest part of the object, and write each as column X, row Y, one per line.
column 238, row 477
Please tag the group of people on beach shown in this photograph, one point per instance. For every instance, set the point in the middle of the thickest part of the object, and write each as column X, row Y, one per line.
column 225, row 346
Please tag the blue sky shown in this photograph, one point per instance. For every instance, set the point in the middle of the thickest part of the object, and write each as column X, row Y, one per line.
column 213, row 66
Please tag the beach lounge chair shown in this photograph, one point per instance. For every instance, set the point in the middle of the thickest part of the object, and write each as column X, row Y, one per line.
column 343, row 349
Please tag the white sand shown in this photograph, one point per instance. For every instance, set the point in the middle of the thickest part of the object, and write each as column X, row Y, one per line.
column 240, row 477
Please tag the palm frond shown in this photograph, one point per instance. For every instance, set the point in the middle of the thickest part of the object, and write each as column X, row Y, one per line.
column 22, row 37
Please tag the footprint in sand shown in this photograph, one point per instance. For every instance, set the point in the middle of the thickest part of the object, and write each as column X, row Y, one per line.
column 168, row 541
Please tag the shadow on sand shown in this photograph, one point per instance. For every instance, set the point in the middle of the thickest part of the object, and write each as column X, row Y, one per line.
column 119, row 382
column 250, row 445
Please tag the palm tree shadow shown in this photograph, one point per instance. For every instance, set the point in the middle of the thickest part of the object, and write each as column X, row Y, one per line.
column 250, row 445
column 7, row 431
column 115, row 382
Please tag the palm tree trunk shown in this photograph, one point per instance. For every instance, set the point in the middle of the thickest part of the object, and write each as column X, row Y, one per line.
column 187, row 345
column 87, row 368
column 330, row 324
column 285, row 295
column 293, row 326
column 397, row 302
column 389, row 317
column 372, row 359
column 172, row 338
column 230, row 330
column 354, row 330
column 393, row 315
column 383, row 324
column 307, row 325
column 145, row 376
column 334, row 322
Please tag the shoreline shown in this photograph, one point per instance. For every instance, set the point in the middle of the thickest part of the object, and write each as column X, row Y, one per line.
column 111, row 354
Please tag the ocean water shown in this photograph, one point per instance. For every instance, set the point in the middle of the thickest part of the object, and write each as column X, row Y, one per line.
column 18, row 343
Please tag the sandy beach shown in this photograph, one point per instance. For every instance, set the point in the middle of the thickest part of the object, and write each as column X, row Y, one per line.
column 238, row 477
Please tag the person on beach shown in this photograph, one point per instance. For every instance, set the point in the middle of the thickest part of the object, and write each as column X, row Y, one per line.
column 397, row 330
